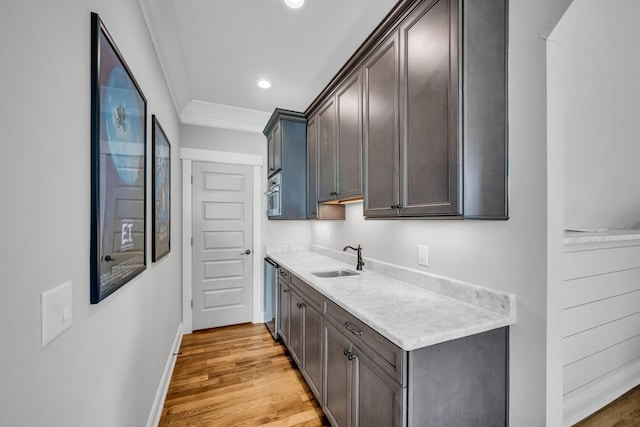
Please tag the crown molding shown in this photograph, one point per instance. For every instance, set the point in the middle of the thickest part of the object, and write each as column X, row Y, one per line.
column 224, row 116
column 159, row 16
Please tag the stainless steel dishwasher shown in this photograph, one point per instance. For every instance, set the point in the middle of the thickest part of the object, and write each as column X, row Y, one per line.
column 271, row 292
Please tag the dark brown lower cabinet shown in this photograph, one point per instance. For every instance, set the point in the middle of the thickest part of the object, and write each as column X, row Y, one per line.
column 338, row 399
column 362, row 379
column 296, row 329
column 313, row 350
column 358, row 393
column 305, row 333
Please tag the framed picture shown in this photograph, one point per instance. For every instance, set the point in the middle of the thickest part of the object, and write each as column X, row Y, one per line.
column 118, row 174
column 161, row 225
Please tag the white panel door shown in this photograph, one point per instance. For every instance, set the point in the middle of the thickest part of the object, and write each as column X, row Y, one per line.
column 222, row 238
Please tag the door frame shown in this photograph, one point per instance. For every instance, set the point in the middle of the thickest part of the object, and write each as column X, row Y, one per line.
column 188, row 156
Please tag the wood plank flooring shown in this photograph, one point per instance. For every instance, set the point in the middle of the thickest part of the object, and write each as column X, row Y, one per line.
column 622, row 412
column 238, row 376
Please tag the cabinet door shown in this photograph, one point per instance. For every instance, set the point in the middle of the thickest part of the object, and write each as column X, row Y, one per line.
column 274, row 150
column 277, row 148
column 349, row 142
column 380, row 125
column 313, row 349
column 338, row 377
column 429, row 108
column 296, row 326
column 285, row 292
column 379, row 399
column 270, row 153
column 327, row 151
column 312, row 168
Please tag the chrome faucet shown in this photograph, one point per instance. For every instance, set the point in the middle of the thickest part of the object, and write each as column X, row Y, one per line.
column 359, row 250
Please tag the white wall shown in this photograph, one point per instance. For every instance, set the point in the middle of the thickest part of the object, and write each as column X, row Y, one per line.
column 104, row 370
column 505, row 255
column 602, row 126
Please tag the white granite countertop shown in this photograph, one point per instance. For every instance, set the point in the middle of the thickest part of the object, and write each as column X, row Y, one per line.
column 409, row 316
column 579, row 237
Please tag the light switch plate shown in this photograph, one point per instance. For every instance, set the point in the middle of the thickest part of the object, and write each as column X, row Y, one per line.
column 57, row 312
column 423, row 255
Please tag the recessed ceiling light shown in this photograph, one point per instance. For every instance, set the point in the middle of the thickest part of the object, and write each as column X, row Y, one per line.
column 294, row 4
column 264, row 84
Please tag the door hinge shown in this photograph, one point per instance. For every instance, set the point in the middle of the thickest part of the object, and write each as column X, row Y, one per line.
column 192, row 241
column 191, row 303
column 191, row 179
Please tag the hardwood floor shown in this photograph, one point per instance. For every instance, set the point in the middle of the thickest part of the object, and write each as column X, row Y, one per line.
column 623, row 412
column 238, row 376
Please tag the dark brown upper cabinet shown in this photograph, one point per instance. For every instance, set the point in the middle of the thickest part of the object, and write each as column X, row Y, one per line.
column 326, row 119
column 434, row 110
column 349, row 140
column 340, row 143
column 429, row 144
column 316, row 210
column 380, row 124
column 286, row 133
column 274, row 150
column 312, row 168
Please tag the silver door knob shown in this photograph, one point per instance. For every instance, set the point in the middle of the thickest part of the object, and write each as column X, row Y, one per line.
column 247, row 252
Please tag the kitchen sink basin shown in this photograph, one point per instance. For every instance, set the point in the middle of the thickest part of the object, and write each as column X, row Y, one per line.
column 334, row 273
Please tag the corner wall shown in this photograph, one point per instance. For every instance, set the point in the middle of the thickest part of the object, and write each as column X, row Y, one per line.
column 104, row 370
column 602, row 93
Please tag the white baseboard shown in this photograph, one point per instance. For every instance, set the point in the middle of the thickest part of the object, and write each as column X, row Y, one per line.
column 590, row 398
column 161, row 394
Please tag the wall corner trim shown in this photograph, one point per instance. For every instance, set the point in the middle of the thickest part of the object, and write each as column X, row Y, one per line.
column 163, row 387
column 195, row 154
column 224, row 116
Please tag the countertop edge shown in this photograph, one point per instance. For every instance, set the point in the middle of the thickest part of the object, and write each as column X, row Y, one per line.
column 498, row 319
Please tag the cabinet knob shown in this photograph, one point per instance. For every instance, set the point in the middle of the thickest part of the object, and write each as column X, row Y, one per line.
column 333, row 193
column 351, row 356
column 346, row 351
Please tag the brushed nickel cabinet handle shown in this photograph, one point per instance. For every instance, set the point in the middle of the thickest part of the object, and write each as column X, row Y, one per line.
column 354, row 332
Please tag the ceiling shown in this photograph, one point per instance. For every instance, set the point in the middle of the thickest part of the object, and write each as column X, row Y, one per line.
column 213, row 52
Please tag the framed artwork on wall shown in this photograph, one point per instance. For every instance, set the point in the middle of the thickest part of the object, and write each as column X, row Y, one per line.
column 118, row 168
column 161, row 184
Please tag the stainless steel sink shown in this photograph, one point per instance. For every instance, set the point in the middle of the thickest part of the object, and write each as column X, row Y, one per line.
column 334, row 273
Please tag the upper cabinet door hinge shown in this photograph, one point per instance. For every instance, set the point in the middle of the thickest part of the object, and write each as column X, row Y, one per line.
column 192, row 179
column 192, row 241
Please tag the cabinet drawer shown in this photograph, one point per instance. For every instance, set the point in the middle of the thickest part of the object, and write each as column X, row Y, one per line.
column 390, row 357
column 310, row 295
column 283, row 276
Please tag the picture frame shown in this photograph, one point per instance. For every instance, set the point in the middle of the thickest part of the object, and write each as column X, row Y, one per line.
column 161, row 184
column 118, row 168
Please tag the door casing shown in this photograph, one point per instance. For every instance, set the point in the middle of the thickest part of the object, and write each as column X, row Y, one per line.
column 188, row 156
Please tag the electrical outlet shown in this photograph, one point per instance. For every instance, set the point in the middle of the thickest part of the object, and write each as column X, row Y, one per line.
column 56, row 312
column 423, row 255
